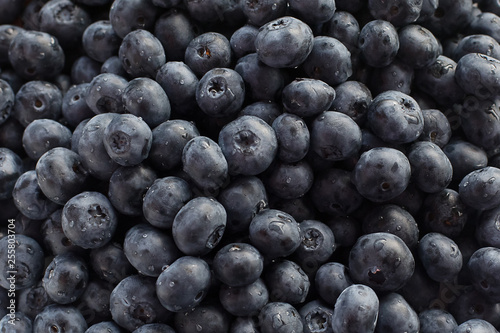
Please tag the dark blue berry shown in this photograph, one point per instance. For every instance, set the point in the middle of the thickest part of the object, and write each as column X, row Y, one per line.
column 293, row 137
column 56, row 317
column 266, row 110
column 74, row 108
column 242, row 40
column 289, row 318
column 440, row 256
column 19, row 324
column 418, row 47
column 7, row 100
column 259, row 12
column 378, row 43
column 246, row 300
column 436, row 320
column 84, row 69
column 395, row 314
column 110, row 263
column 353, row 99
column 437, row 128
column 206, row 51
column 104, row 94
column 208, row 317
column 478, row 43
column 127, row 16
column 484, row 267
column 478, row 189
column 12, row 168
column 41, row 135
column 330, row 280
column 100, row 41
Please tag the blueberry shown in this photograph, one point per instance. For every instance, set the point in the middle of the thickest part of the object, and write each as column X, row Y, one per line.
column 41, row 135
column 316, row 317
column 330, row 280
column 220, row 92
column 477, row 43
column 29, row 198
column 344, row 27
column 429, row 7
column 353, row 99
column 18, row 324
column 356, row 310
column 474, row 74
column 154, row 328
column 289, row 180
column 475, row 326
column 242, row 40
column 27, row 267
column 378, row 43
column 465, row 157
column 262, row 82
column 127, row 186
column 104, row 94
column 293, row 137
column 395, row 314
column 8, row 98
column 169, row 140
column 175, row 29
column 32, row 300
column 381, row 261
column 478, row 189
column 266, row 110
column 399, row 13
column 65, row 278
column 7, row 33
column 206, row 51
column 110, row 263
column 437, row 128
column 287, row 282
column 127, row 139
column 84, row 69
column 289, row 318
column 60, row 318
column 89, row 220
column 249, row 145
column 94, row 302
column 485, row 23
column 436, row 320
column 328, row 61
column 199, row 225
column 440, row 256
column 104, row 326
column 314, row 12
column 301, row 208
column 91, row 148
column 37, row 100
column 306, row 97
column 183, row 284
column 127, row 16
column 346, row 230
column 12, row 168
column 133, row 303
column 74, row 108
column 100, row 41
column 487, row 233
column 60, row 174
column 471, row 304
column 149, row 249
column 207, row 317
column 483, row 263
column 36, row 55
column 395, row 76
column 284, row 42
column 259, row 12
column 274, row 233
column 113, row 65
column 246, row 300
column 238, row 264
column 244, row 325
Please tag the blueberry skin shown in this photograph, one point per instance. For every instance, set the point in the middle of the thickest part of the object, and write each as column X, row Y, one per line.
column 471, row 304
column 66, row 278
column 53, row 238
column 180, row 83
column 333, row 193
column 29, row 198
column 7, row 33
column 141, row 54
column 353, row 99
column 474, row 74
column 440, row 256
column 61, row 174
column 381, row 174
column 289, row 180
column 152, row 328
column 238, row 264
column 449, row 17
column 475, row 326
column 395, row 117
column 262, row 82
column 110, row 263
column 266, row 110
column 133, row 303
column 220, row 92
column 395, row 314
column 274, row 233
column 335, row 136
column 113, row 65
column 37, row 100
column 356, row 310
column 330, row 280
column 41, row 135
column 284, row 43
column 199, row 225
column 378, row 43
column 25, row 55
column 127, row 139
column 381, row 261
column 242, row 199
column 344, row 27
column 346, row 230
column 436, row 320
column 478, row 189
column 246, row 300
column 431, row 170
column 249, row 145
column 487, row 233
column 206, row 51
column 8, row 97
column 293, row 137
column 395, row 76
column 316, row 317
column 169, row 140
column 22, row 323
column 314, row 12
column 428, row 9
column 91, row 148
column 484, row 264
column 104, row 94
column 485, row 23
column 163, row 200
column 94, row 302
column 89, row 220
column 100, row 41
column 33, row 300
column 242, row 40
column 399, row 13
column 183, row 284
column 74, row 108
column 27, row 267
column 64, row 20
column 105, row 326
column 438, row 80
column 244, row 325
column 290, row 320
column 328, row 61
column 260, row 12
column 127, row 16
column 12, row 168
column 444, row 212
column 175, row 29
column 60, row 317
column 149, row 249
column 211, row 317
column 477, row 43
column 437, row 128
column 465, row 157
column 306, row 97
column 127, row 186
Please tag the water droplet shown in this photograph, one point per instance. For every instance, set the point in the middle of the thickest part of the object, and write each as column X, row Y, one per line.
column 274, row 6
column 198, row 327
column 171, row 284
column 379, row 244
column 139, row 100
column 144, row 235
column 98, row 88
column 151, row 268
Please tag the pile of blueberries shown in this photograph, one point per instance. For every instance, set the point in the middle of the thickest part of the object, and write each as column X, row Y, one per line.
column 246, row 166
